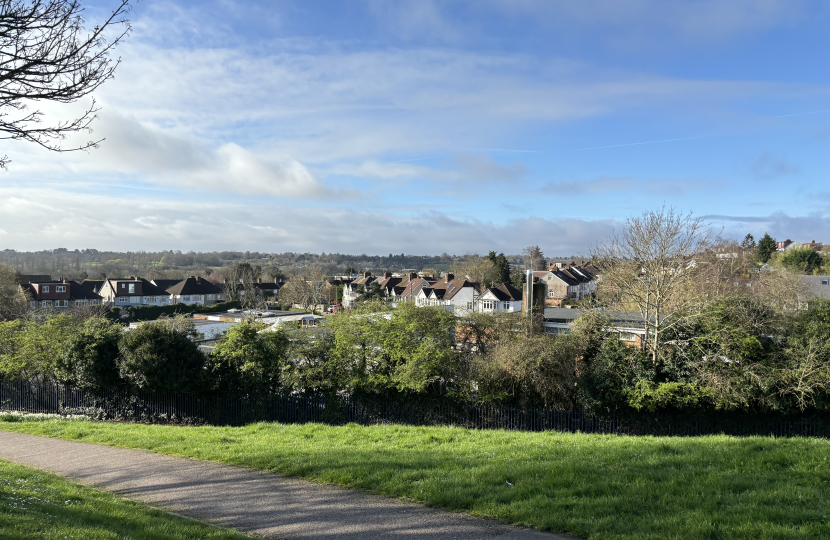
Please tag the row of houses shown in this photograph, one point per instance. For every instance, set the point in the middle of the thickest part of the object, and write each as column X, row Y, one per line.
column 560, row 282
column 45, row 292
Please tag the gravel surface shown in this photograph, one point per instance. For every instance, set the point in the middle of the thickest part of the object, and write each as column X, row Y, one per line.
column 256, row 502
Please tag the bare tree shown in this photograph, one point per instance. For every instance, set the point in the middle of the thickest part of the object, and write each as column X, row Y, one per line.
column 478, row 270
column 650, row 267
column 46, row 54
column 306, row 291
column 534, row 258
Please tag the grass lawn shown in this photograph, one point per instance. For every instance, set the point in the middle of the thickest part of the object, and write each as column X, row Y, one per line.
column 592, row 486
column 35, row 504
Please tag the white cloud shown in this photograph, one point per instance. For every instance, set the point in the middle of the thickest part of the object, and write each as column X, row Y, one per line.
column 36, row 219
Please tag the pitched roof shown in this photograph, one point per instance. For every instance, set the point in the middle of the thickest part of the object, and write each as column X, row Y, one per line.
column 92, row 285
column 193, row 285
column 147, row 287
column 506, row 293
column 77, row 291
column 565, row 277
column 165, row 283
column 35, row 278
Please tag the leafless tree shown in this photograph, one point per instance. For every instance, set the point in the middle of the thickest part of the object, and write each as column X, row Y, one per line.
column 534, row 258
column 47, row 54
column 650, row 267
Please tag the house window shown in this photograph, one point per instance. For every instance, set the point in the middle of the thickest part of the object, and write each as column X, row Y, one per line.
column 122, row 285
column 825, row 282
column 489, row 304
column 33, row 304
column 61, row 303
column 132, row 288
column 506, row 306
column 469, row 305
column 123, row 299
column 46, row 288
column 186, row 298
column 46, row 303
column 60, row 288
column 135, row 299
column 628, row 336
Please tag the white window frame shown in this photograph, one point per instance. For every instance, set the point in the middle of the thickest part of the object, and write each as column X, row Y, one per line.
column 131, row 290
column 45, row 288
column 60, row 288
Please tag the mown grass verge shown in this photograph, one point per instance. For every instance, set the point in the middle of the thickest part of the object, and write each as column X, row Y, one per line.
column 591, row 486
column 35, row 504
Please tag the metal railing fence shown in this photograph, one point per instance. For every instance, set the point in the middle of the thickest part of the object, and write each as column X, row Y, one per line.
column 171, row 407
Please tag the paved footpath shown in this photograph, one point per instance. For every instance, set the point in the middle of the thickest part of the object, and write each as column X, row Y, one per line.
column 256, row 502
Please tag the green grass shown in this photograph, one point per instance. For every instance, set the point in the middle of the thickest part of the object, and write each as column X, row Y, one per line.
column 592, row 486
column 35, row 504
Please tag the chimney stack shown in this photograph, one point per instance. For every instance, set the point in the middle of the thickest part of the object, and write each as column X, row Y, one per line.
column 413, row 275
column 367, row 274
column 387, row 275
column 450, row 277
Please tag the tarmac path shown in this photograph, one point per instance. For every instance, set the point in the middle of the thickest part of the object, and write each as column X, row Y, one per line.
column 256, row 502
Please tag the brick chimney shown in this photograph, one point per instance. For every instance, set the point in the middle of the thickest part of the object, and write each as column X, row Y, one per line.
column 413, row 275
column 367, row 274
column 387, row 275
column 450, row 277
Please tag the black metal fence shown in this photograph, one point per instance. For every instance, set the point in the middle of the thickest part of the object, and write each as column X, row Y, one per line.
column 164, row 407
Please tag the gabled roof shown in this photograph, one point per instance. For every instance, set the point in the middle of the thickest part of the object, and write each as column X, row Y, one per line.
column 506, row 293
column 193, row 285
column 92, row 285
column 77, row 291
column 165, row 283
column 34, row 278
column 413, row 286
column 147, row 287
column 565, row 278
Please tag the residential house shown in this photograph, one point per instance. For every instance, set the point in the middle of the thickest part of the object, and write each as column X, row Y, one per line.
column 350, row 293
column 194, row 290
column 813, row 287
column 388, row 282
column 407, row 291
column 504, row 298
column 568, row 283
column 459, row 295
column 133, row 291
column 58, row 294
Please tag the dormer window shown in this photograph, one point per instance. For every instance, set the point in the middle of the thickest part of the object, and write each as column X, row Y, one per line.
column 60, row 288
column 46, row 288
column 132, row 288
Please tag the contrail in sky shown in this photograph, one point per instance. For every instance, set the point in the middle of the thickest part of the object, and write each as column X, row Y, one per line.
column 689, row 138
column 639, row 143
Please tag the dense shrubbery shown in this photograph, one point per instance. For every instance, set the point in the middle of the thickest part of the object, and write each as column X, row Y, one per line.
column 151, row 313
column 736, row 354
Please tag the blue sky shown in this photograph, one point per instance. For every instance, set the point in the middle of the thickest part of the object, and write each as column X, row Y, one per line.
column 425, row 127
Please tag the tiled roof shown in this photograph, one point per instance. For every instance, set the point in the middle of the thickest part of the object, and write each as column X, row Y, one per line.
column 506, row 293
column 193, row 285
column 77, row 291
column 165, row 283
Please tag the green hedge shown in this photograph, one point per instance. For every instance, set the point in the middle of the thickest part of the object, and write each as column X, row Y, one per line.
column 151, row 313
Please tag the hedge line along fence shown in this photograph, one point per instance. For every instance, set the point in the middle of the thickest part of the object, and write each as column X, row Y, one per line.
column 174, row 408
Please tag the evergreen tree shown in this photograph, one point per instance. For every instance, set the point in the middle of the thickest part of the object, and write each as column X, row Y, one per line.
column 766, row 247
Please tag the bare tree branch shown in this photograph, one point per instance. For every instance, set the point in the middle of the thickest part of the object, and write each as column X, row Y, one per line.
column 47, row 54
